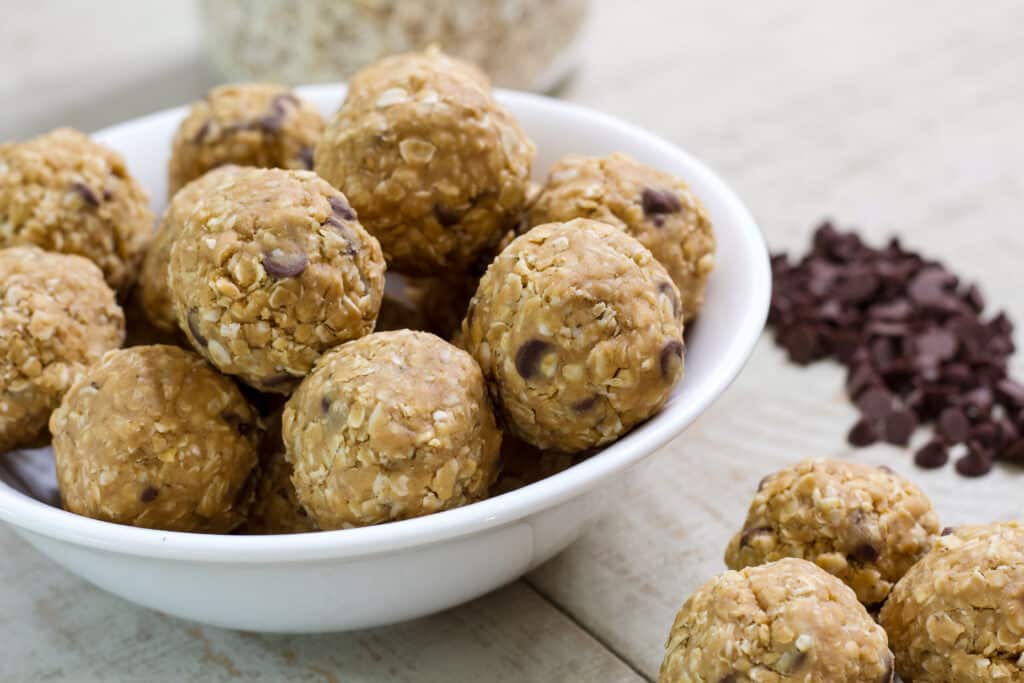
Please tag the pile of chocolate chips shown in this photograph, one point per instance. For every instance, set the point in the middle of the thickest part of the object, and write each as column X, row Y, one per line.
column 916, row 344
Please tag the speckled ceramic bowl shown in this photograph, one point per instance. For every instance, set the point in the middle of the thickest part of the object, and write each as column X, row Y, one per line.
column 337, row 580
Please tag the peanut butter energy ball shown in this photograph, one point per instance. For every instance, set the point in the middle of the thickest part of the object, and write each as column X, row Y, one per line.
column 57, row 316
column 578, row 331
column 866, row 525
column 275, row 507
column 958, row 614
column 253, row 124
column 655, row 207
column 154, row 292
column 63, row 192
column 152, row 436
column 783, row 622
column 391, row 426
column 272, row 270
column 436, row 169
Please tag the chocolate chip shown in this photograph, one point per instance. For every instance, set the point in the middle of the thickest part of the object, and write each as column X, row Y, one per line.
column 749, row 534
column 148, row 494
column 931, row 455
column 277, row 380
column 273, row 121
column 760, row 484
column 282, row 265
column 863, row 433
column 193, row 328
column 201, row 134
column 86, row 193
column 655, row 202
column 325, row 405
column 242, row 426
column 876, row 403
column 669, row 290
column 529, row 356
column 445, row 216
column 341, row 208
column 889, row 666
column 953, row 425
column 865, row 552
column 306, row 157
column 586, row 404
column 974, row 464
column 899, row 427
column 946, row 531
column 672, row 349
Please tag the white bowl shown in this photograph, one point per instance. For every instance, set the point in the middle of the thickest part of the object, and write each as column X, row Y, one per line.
column 358, row 578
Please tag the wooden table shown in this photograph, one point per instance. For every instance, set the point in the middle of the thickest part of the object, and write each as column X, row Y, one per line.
column 880, row 115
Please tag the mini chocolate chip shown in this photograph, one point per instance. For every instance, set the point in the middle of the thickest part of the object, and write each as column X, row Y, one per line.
column 876, row 403
column 445, row 216
column 148, row 494
column 974, row 464
column 341, row 208
column 202, row 132
column 193, row 328
column 668, row 290
column 889, row 667
column 729, row 678
column 673, row 349
column 107, row 195
column 931, row 455
column 754, row 531
column 863, row 433
column 953, row 425
column 282, row 265
column 764, row 480
column 325, row 405
column 240, row 425
column 586, row 404
column 529, row 356
column 277, row 380
column 946, row 531
column 865, row 552
column 86, row 193
column 306, row 157
column 656, row 202
column 899, row 426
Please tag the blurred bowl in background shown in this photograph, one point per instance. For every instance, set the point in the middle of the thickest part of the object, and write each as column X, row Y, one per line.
column 524, row 44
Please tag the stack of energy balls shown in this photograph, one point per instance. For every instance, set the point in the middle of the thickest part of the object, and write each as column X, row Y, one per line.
column 842, row 574
column 278, row 403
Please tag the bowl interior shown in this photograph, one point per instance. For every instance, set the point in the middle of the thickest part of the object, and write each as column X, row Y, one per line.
column 717, row 346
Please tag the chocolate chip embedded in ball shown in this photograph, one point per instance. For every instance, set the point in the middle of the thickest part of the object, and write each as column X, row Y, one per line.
column 281, row 264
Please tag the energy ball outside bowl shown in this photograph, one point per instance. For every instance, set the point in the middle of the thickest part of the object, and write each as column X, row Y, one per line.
column 271, row 271
column 249, row 124
column 958, row 614
column 655, row 207
column 63, row 192
column 154, row 293
column 579, row 334
column 865, row 525
column 435, row 167
column 57, row 316
column 152, row 436
column 391, row 426
column 783, row 622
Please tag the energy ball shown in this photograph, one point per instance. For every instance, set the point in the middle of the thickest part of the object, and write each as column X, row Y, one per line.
column 275, row 507
column 63, row 192
column 152, row 436
column 865, row 525
column 436, row 169
column 271, row 271
column 787, row 621
column 522, row 465
column 655, row 207
column 958, row 614
column 391, row 426
column 154, row 292
column 57, row 316
column 579, row 334
column 254, row 124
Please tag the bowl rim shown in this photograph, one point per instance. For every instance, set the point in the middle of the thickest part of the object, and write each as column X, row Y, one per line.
column 28, row 514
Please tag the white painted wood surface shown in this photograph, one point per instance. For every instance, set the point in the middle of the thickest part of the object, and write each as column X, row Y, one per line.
column 895, row 117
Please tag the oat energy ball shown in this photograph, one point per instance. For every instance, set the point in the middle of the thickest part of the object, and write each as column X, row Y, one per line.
column 275, row 507
column 436, row 169
column 152, row 436
column 391, row 426
column 958, row 614
column 787, row 621
column 57, row 316
column 154, row 292
column 63, row 192
column 865, row 525
column 253, row 124
column 655, row 207
column 271, row 271
column 578, row 331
